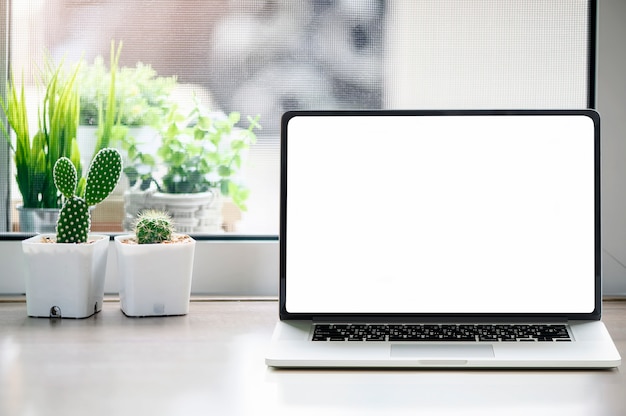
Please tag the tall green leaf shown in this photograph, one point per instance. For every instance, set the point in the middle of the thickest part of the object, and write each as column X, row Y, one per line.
column 57, row 120
column 112, row 116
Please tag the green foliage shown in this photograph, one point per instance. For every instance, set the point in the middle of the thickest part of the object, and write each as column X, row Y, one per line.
column 109, row 129
column 153, row 227
column 199, row 152
column 140, row 96
column 74, row 220
column 58, row 116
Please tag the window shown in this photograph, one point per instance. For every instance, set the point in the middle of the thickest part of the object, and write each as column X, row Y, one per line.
column 265, row 57
column 262, row 57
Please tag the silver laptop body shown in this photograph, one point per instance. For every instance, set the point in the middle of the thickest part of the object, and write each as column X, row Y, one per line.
column 443, row 225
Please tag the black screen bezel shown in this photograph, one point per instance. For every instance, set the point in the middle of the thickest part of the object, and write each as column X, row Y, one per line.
column 421, row 317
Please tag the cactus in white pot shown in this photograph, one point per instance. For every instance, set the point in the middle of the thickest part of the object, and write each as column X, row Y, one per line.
column 153, row 227
column 74, row 220
column 155, row 267
column 65, row 273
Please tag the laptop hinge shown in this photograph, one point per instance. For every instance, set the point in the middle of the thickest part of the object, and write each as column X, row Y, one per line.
column 440, row 319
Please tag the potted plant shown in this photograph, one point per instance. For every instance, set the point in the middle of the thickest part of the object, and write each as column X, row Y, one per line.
column 141, row 96
column 102, row 109
column 35, row 156
column 155, row 267
column 65, row 272
column 197, row 164
column 124, row 104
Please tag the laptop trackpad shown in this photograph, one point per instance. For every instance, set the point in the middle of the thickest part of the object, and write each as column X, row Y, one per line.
column 442, row 351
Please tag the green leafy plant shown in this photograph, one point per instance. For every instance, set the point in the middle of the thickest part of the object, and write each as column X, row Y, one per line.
column 58, row 116
column 109, row 129
column 200, row 151
column 141, row 97
column 153, row 226
column 74, row 220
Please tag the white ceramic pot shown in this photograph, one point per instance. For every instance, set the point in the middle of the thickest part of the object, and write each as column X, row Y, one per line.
column 191, row 213
column 38, row 220
column 155, row 279
column 146, row 138
column 65, row 280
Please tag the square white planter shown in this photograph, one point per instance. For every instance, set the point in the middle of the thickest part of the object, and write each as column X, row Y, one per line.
column 65, row 280
column 155, row 279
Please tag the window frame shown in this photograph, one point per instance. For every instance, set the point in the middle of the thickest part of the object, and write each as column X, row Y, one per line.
column 263, row 265
column 5, row 151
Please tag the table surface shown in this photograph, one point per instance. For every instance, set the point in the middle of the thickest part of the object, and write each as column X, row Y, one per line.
column 211, row 361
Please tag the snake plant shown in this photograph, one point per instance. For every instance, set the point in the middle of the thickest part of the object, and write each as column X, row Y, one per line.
column 58, row 116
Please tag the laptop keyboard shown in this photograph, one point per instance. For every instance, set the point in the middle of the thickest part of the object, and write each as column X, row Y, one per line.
column 441, row 332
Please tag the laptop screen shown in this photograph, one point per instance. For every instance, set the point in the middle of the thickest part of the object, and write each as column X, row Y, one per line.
column 435, row 212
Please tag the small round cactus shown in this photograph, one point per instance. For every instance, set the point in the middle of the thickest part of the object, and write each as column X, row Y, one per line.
column 153, row 227
column 74, row 222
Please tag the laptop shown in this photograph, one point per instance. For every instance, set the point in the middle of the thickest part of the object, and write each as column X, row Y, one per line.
column 439, row 239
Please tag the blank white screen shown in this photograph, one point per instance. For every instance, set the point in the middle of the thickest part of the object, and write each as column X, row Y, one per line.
column 440, row 214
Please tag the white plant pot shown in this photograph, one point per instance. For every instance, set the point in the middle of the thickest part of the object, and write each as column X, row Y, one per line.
column 38, row 220
column 146, row 138
column 191, row 213
column 65, row 280
column 155, row 279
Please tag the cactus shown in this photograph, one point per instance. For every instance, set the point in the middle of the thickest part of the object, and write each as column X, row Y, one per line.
column 74, row 221
column 153, row 227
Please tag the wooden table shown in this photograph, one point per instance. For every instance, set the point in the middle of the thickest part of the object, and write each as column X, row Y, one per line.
column 211, row 362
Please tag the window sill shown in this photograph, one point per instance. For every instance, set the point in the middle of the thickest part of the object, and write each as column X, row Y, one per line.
column 224, row 265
